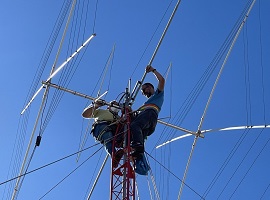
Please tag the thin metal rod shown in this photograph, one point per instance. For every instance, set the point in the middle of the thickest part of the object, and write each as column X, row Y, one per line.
column 98, row 175
column 174, row 139
column 99, row 97
column 75, row 93
column 125, row 145
column 86, row 132
column 236, row 128
column 154, row 184
column 58, row 69
column 84, row 140
column 187, row 167
column 72, row 56
column 213, row 130
column 178, row 127
column 223, row 65
column 189, row 133
column 138, row 84
column 106, row 69
column 63, row 36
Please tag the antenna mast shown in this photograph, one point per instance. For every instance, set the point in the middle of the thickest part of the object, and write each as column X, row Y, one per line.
column 123, row 177
column 139, row 83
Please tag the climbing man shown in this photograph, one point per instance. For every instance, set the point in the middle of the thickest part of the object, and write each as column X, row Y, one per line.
column 145, row 120
column 104, row 126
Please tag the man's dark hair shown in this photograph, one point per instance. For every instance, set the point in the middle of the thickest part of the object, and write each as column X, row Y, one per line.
column 149, row 84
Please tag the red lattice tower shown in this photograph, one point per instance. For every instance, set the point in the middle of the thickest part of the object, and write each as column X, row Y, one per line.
column 123, row 176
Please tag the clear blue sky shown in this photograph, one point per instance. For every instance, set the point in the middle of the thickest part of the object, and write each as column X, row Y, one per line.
column 224, row 165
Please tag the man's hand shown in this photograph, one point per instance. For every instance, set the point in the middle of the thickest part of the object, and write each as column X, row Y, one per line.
column 149, row 68
column 161, row 80
column 99, row 103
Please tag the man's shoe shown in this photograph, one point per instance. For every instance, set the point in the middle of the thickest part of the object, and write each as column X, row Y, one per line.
column 141, row 165
column 137, row 149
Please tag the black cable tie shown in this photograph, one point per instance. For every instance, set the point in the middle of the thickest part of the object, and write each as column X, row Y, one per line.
column 38, row 140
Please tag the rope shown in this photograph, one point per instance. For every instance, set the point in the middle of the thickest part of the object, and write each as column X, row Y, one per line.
column 47, row 165
column 70, row 173
column 241, row 162
column 174, row 175
column 226, row 162
column 266, row 143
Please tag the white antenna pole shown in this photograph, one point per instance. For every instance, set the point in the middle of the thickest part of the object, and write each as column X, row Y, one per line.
column 99, row 173
column 223, row 65
column 138, row 84
column 210, row 97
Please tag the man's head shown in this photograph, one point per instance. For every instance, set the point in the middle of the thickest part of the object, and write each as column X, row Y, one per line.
column 148, row 89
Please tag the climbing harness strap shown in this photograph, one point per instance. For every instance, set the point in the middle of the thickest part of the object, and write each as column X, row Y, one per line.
column 149, row 106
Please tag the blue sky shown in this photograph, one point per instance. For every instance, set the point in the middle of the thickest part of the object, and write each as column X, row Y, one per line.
column 236, row 162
